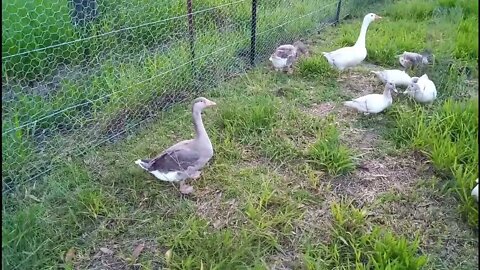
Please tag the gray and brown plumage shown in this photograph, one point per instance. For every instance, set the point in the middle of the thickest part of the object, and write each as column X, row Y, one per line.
column 186, row 159
column 412, row 59
column 286, row 55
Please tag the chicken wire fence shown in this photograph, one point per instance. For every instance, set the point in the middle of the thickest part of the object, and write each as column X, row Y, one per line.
column 78, row 74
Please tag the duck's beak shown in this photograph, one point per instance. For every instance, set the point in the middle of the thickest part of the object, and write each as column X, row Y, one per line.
column 211, row 103
column 377, row 17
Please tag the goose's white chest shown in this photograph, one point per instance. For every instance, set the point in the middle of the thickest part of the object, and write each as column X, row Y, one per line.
column 278, row 62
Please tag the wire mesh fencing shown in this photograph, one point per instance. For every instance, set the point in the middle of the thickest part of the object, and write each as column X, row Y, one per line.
column 80, row 73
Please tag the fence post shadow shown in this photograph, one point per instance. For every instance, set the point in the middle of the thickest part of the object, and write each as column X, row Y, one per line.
column 337, row 15
column 191, row 39
column 83, row 14
column 253, row 33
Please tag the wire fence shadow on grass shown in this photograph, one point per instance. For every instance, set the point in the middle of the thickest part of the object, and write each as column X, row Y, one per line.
column 78, row 74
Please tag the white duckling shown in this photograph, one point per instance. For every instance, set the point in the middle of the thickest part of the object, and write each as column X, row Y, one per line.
column 475, row 191
column 373, row 103
column 285, row 56
column 187, row 158
column 395, row 76
column 422, row 89
column 351, row 56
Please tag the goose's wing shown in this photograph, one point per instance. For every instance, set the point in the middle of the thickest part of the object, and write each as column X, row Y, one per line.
column 179, row 159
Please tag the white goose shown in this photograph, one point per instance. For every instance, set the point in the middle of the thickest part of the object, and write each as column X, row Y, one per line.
column 351, row 56
column 373, row 103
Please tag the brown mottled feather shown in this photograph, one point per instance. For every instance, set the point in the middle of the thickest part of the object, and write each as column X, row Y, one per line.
column 285, row 51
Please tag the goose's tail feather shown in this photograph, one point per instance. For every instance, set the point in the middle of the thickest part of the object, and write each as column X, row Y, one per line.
column 329, row 58
column 350, row 103
column 142, row 163
column 354, row 104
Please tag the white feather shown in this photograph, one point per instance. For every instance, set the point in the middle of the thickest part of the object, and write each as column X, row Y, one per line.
column 427, row 92
column 475, row 191
column 346, row 57
column 169, row 177
column 142, row 164
column 278, row 62
column 397, row 77
column 372, row 103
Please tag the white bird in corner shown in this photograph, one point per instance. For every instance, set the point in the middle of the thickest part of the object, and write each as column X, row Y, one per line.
column 373, row 103
column 475, row 191
column 185, row 159
column 351, row 56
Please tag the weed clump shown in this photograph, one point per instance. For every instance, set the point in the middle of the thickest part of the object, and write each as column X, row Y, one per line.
column 328, row 153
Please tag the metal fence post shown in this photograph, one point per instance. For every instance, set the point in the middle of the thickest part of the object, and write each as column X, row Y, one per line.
column 337, row 15
column 191, row 35
column 253, row 32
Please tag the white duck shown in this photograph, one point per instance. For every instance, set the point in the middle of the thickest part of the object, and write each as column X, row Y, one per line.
column 395, row 76
column 475, row 191
column 185, row 159
column 286, row 55
column 351, row 56
column 373, row 103
column 422, row 89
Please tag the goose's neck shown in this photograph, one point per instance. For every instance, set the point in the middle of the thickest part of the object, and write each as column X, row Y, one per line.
column 362, row 36
column 387, row 94
column 200, row 132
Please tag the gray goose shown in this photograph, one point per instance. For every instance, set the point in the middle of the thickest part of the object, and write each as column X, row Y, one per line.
column 187, row 158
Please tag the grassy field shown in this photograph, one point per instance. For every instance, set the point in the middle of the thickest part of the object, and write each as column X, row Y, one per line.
column 103, row 86
column 297, row 181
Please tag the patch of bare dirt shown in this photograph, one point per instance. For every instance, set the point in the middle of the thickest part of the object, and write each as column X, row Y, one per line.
column 322, row 109
column 219, row 212
column 118, row 256
column 284, row 261
column 354, row 84
column 359, row 84
column 378, row 175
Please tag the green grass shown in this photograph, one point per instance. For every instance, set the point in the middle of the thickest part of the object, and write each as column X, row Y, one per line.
column 130, row 76
column 449, row 136
column 284, row 188
column 356, row 245
column 328, row 153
